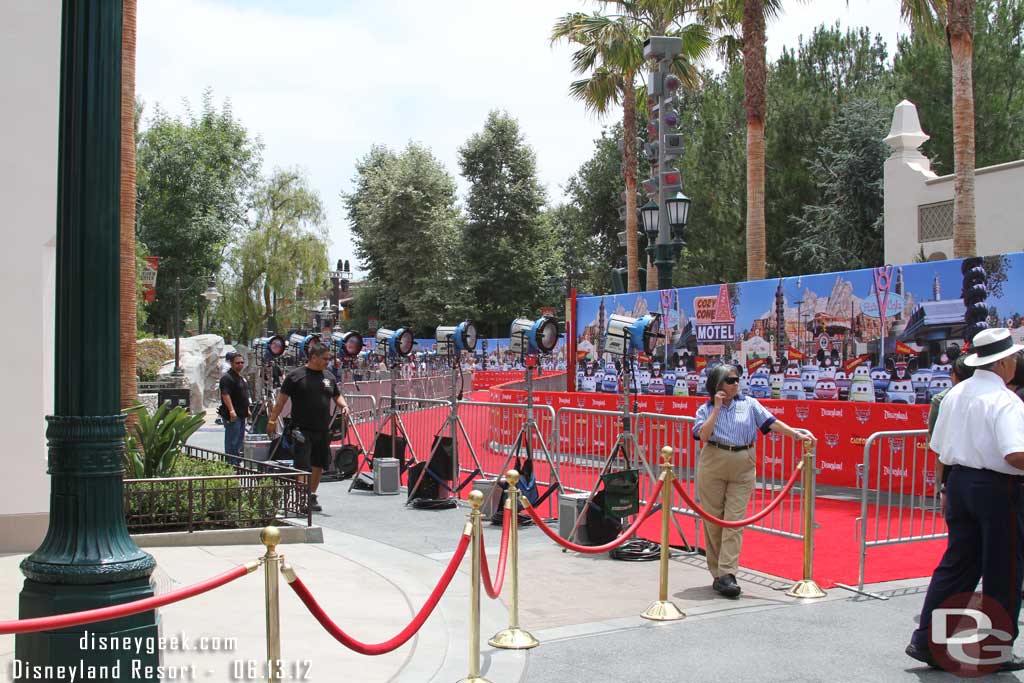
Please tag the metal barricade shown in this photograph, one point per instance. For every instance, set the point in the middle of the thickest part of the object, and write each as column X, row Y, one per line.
column 899, row 494
column 362, row 412
column 491, row 429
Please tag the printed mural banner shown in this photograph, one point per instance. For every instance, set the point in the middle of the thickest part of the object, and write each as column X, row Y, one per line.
column 877, row 335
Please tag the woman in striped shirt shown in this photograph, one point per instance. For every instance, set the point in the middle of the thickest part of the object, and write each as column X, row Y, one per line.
column 727, row 425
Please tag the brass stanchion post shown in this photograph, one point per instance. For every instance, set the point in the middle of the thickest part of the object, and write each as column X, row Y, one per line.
column 807, row 588
column 270, row 537
column 513, row 637
column 664, row 609
column 476, row 499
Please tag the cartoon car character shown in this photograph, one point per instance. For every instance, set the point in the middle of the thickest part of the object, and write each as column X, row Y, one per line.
column 861, row 371
column 644, row 378
column 827, row 370
column 793, row 372
column 681, row 387
column 880, row 378
column 900, row 391
column 588, row 383
column 580, row 374
column 776, row 380
column 669, row 379
column 942, row 364
column 794, row 389
column 610, row 379
column 862, row 389
column 691, row 381
column 825, row 389
column 938, row 382
column 842, row 384
column 809, row 377
column 759, row 385
column 920, row 380
column 655, row 382
column 702, row 383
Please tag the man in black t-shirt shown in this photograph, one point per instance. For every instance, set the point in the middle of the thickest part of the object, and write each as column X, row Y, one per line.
column 313, row 393
column 234, row 405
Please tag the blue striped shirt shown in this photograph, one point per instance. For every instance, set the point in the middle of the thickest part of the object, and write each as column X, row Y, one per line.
column 737, row 423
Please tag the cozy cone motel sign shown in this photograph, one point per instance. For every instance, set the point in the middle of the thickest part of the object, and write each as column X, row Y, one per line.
column 715, row 321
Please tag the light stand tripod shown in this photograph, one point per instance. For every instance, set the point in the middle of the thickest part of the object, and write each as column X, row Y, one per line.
column 391, row 418
column 453, row 425
column 529, row 431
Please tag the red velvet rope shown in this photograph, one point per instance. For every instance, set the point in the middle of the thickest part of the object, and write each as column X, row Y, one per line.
column 596, row 549
column 405, row 634
column 740, row 522
column 493, row 588
column 91, row 616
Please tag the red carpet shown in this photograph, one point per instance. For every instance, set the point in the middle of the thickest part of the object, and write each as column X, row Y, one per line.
column 836, row 547
column 836, row 550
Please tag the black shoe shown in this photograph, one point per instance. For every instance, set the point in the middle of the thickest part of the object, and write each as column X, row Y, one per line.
column 1014, row 663
column 314, row 504
column 922, row 654
column 727, row 586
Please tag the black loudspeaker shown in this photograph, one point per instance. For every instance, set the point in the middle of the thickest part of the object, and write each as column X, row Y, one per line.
column 428, row 488
column 442, row 461
column 383, row 445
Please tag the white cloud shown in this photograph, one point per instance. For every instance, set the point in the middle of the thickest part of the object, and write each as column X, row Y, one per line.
column 322, row 82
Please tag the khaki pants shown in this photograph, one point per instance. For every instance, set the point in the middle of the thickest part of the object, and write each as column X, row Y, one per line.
column 725, row 480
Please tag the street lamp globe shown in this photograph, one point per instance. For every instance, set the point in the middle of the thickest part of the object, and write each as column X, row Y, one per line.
column 211, row 294
column 678, row 208
column 649, row 214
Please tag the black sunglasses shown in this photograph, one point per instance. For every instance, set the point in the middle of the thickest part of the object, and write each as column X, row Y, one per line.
column 731, row 380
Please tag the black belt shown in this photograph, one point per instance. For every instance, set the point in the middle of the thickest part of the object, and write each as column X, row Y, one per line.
column 982, row 470
column 726, row 447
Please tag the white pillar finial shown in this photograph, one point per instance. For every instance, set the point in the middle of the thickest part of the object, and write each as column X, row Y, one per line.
column 905, row 135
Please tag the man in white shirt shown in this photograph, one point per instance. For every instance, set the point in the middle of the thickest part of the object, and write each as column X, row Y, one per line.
column 979, row 434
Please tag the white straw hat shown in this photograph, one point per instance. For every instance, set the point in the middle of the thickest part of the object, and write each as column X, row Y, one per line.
column 991, row 345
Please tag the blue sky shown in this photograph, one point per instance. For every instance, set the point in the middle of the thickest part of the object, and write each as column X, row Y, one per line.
column 320, row 81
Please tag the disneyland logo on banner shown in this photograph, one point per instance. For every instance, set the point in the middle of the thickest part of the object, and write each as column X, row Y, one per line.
column 562, row 401
column 831, row 412
column 678, row 405
column 899, row 473
column 863, row 414
column 506, row 397
column 774, row 436
column 832, row 466
column 599, row 403
column 581, row 402
column 890, row 415
column 773, row 459
column 803, row 412
column 831, row 439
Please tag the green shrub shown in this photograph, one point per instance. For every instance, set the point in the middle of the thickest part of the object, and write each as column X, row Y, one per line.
column 150, row 354
column 214, row 504
column 153, row 442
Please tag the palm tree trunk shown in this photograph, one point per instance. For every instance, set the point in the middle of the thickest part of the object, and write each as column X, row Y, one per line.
column 128, row 331
column 629, row 174
column 961, row 46
column 754, row 77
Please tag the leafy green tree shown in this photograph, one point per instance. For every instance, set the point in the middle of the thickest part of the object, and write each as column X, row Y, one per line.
column 845, row 231
column 406, row 229
column 923, row 75
column 508, row 255
column 194, row 178
column 286, row 248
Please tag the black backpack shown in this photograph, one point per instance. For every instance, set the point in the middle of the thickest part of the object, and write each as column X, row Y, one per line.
column 601, row 528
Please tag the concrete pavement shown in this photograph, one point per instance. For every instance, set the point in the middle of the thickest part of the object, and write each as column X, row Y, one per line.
column 379, row 560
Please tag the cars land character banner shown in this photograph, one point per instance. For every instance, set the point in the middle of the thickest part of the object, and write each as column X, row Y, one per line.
column 876, row 335
column 842, row 429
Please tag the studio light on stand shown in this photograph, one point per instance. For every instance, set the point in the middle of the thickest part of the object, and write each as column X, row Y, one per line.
column 532, row 339
column 452, row 342
column 627, row 337
column 397, row 345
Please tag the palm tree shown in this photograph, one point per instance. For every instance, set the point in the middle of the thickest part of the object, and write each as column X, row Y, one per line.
column 129, row 391
column 960, row 32
column 611, row 51
column 754, row 82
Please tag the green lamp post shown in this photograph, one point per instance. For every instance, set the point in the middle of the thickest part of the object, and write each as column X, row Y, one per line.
column 87, row 558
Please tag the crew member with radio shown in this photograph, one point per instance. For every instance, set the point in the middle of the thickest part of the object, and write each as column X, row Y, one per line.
column 313, row 393
column 727, row 424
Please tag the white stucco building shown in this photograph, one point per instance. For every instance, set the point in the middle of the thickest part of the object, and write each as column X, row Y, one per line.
column 919, row 204
column 30, row 53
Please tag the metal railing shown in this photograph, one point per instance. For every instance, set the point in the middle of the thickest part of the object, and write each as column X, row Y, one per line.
column 899, row 495
column 258, row 494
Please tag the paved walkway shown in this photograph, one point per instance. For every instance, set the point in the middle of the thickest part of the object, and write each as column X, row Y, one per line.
column 379, row 560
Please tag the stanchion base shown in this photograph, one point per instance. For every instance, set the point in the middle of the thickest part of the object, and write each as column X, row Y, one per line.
column 513, row 639
column 806, row 589
column 663, row 610
column 474, row 679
